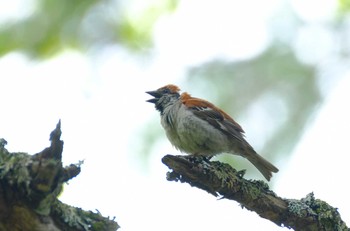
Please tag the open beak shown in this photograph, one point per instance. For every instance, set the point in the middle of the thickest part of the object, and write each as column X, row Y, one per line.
column 155, row 94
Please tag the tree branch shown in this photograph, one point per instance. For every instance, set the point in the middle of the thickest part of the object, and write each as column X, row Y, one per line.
column 29, row 186
column 221, row 179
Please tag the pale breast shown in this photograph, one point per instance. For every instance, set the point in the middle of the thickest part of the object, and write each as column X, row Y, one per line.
column 191, row 134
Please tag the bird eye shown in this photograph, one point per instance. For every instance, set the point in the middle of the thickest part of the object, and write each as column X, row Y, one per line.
column 166, row 90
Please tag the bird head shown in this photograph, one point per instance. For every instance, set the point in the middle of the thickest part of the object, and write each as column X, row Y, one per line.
column 164, row 96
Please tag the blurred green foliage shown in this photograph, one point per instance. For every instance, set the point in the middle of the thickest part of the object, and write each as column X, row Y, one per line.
column 344, row 6
column 52, row 26
column 136, row 30
column 81, row 25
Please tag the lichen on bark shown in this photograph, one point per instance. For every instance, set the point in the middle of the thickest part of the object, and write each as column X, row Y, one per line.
column 220, row 179
column 30, row 185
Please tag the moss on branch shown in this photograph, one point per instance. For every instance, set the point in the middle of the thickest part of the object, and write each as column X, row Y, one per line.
column 220, row 179
column 29, row 186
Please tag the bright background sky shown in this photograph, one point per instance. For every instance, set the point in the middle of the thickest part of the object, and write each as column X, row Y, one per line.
column 101, row 102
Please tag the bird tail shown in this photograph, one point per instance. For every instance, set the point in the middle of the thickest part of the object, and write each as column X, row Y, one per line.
column 264, row 166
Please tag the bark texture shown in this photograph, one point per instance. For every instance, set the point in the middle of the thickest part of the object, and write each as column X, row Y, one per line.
column 220, row 179
column 29, row 186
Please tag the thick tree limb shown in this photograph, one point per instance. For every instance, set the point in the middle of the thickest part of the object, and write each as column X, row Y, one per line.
column 29, row 186
column 221, row 179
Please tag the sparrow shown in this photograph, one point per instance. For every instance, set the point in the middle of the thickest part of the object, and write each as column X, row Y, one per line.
column 197, row 127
